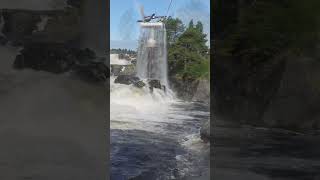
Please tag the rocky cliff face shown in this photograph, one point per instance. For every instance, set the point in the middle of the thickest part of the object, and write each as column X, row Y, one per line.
column 296, row 102
column 280, row 90
column 202, row 92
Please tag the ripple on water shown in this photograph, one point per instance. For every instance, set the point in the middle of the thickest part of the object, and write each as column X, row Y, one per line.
column 155, row 139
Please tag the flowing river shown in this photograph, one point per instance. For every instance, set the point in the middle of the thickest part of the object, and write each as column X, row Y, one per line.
column 155, row 136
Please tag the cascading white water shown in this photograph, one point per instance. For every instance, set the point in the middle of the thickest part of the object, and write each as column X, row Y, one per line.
column 152, row 53
column 146, row 125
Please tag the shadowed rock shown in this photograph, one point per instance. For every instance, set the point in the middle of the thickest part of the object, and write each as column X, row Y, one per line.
column 126, row 79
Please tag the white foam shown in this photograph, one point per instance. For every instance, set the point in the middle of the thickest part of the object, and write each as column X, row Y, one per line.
column 114, row 59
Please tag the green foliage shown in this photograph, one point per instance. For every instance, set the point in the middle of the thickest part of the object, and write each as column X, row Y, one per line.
column 266, row 28
column 188, row 54
column 122, row 51
column 191, row 25
column 175, row 28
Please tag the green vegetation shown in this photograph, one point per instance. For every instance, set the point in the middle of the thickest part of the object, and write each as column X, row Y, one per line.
column 267, row 28
column 122, row 51
column 188, row 54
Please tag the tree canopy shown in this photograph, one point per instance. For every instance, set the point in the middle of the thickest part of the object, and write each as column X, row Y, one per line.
column 188, row 54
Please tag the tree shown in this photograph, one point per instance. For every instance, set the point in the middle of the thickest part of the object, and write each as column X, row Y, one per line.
column 174, row 28
column 188, row 55
column 199, row 26
column 191, row 25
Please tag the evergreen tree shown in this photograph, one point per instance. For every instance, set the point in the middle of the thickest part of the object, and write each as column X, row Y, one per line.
column 191, row 25
column 199, row 26
column 174, row 28
column 188, row 55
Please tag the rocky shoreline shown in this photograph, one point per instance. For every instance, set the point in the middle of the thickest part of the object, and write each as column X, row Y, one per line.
column 50, row 41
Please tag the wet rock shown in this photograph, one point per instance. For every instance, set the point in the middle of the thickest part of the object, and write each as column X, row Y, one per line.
column 84, row 55
column 126, row 79
column 139, row 84
column 154, row 83
column 59, row 58
column 185, row 88
column 134, row 61
column 128, row 70
column 49, row 57
column 205, row 131
column 118, row 70
column 93, row 71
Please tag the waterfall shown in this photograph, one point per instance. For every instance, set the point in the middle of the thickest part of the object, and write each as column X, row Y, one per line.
column 152, row 53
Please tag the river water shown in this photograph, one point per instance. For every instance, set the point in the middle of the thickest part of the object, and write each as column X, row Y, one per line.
column 155, row 136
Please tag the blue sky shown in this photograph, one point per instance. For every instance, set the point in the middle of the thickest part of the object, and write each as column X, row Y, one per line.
column 124, row 31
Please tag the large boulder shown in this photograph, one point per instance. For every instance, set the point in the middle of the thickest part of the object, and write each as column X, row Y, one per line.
column 51, row 57
column 59, row 58
column 117, row 70
column 155, row 83
column 205, row 133
column 139, row 84
column 126, row 79
column 93, row 71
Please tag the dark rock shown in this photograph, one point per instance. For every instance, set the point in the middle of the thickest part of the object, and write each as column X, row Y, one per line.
column 84, row 56
column 164, row 88
column 118, row 70
column 126, row 79
column 74, row 3
column 205, row 133
column 134, row 61
column 185, row 88
column 59, row 58
column 19, row 62
column 139, row 84
column 154, row 83
column 93, row 71
column 49, row 57
column 3, row 40
column 19, row 24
